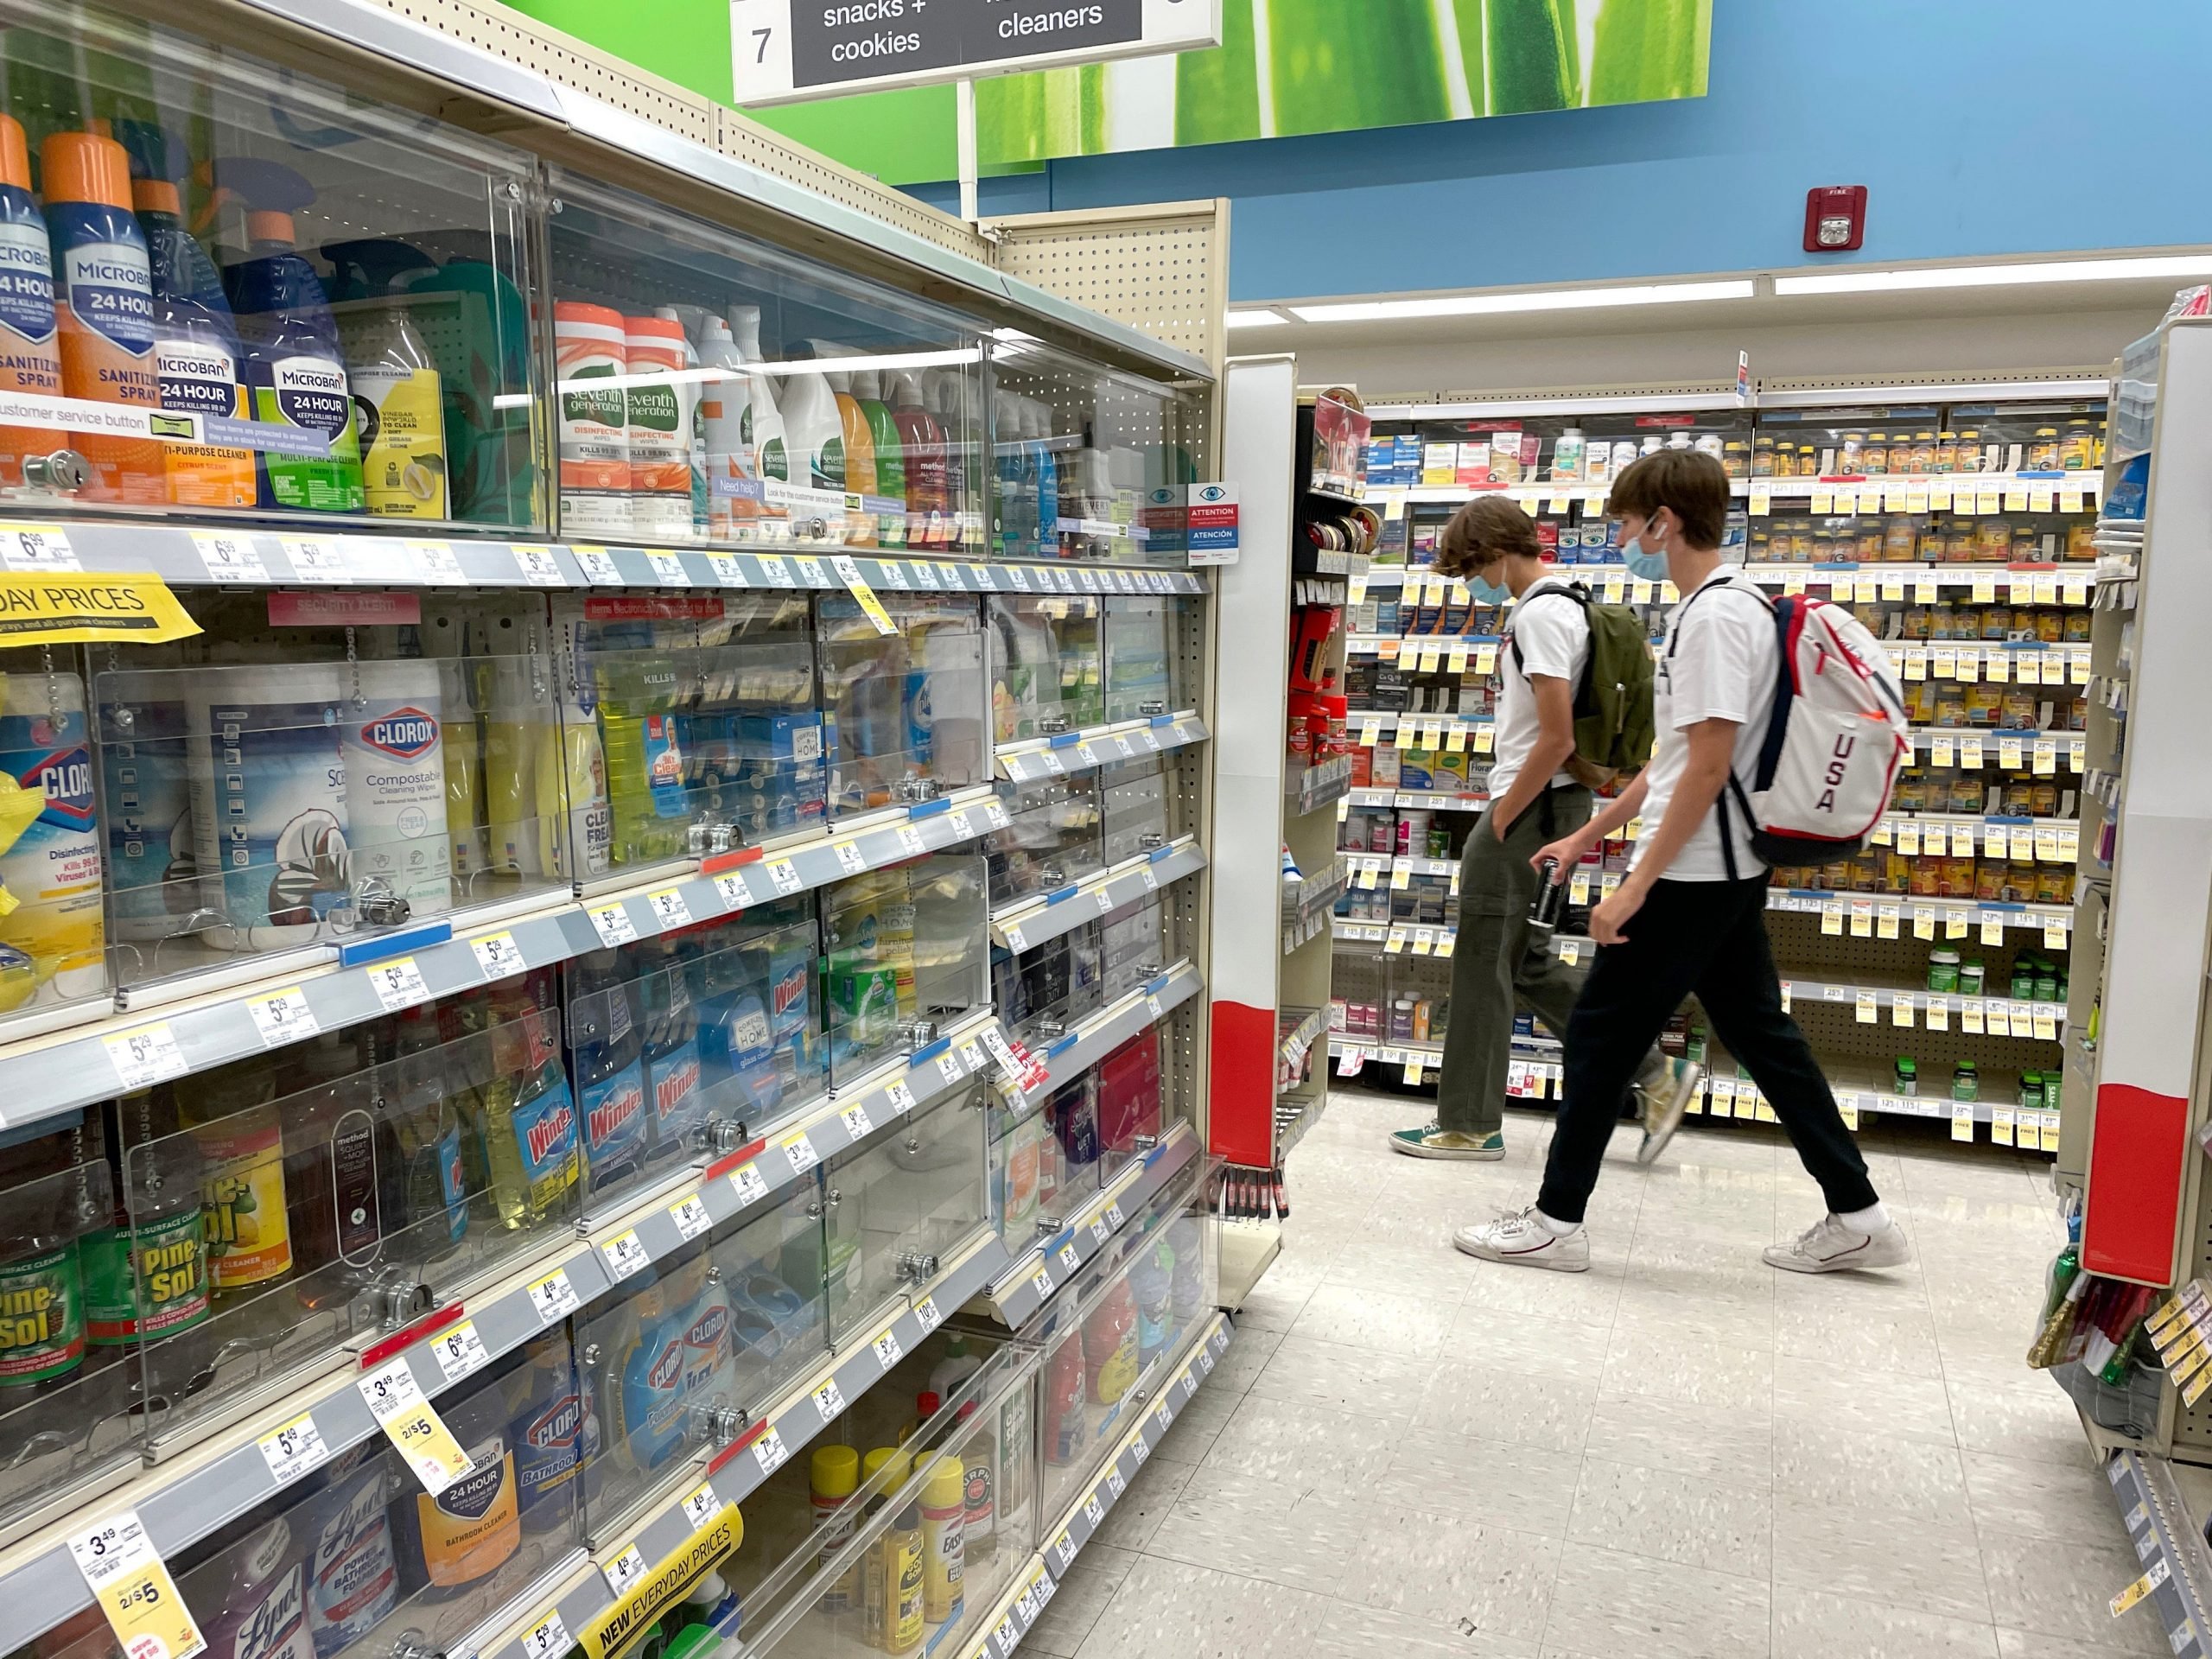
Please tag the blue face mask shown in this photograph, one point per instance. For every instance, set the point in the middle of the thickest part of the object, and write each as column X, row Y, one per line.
column 1487, row 592
column 1643, row 566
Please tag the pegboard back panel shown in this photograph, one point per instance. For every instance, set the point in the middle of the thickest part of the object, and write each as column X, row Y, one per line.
column 568, row 61
column 1163, row 270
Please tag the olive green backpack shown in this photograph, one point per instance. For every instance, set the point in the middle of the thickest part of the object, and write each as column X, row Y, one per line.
column 1613, row 726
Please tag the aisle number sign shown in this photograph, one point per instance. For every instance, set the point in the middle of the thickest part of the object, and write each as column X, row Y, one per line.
column 784, row 51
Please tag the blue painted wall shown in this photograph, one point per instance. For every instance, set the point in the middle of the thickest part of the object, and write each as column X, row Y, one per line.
column 1980, row 127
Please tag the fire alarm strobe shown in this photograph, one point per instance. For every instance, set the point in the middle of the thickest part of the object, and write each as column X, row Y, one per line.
column 1836, row 218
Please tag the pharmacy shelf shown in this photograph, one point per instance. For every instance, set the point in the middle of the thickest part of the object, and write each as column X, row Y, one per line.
column 1991, row 1016
column 244, row 554
column 1030, row 924
column 2177, row 1566
column 1050, row 1265
column 1946, row 919
column 209, row 1485
column 1535, row 1072
column 1292, row 1047
column 1097, row 746
column 291, row 998
column 1173, row 1383
column 1936, row 492
column 1426, row 800
column 2040, row 584
column 1068, row 1056
column 1318, row 784
column 2002, row 749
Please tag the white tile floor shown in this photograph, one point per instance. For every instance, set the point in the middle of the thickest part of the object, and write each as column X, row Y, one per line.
column 1681, row 1452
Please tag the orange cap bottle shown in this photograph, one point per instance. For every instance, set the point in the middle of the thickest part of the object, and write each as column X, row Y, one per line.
column 29, row 364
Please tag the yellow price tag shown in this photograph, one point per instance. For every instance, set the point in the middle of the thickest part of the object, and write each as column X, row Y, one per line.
column 1485, row 738
column 411, row 1423
column 1413, row 1071
column 1924, row 924
column 863, row 596
column 1762, row 502
column 1402, row 877
column 128, row 1578
column 1985, row 588
column 1832, row 920
column 1455, row 741
column 1962, row 1122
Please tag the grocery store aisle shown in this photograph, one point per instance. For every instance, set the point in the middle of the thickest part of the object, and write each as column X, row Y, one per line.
column 1682, row 1453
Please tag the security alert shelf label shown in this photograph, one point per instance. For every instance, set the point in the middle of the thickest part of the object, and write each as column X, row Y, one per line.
column 783, row 50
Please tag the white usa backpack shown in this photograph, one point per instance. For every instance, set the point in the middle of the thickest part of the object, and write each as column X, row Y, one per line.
column 1835, row 743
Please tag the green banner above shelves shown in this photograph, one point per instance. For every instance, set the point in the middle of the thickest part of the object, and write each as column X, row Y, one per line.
column 1285, row 67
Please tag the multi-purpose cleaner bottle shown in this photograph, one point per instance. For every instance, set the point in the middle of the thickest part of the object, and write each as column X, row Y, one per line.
column 609, row 1067
column 261, row 1612
column 146, row 1271
column 104, row 306
column 691, row 391
column 399, row 417
column 658, row 423
column 885, row 441
column 294, row 363
column 590, row 346
column 51, row 871
column 673, row 1068
column 529, row 1118
column 553, row 1429
column 392, row 738
column 31, row 361
column 41, row 1291
column 726, row 433
column 425, row 1190
column 450, row 1543
column 921, row 444
column 353, row 1575
column 196, row 351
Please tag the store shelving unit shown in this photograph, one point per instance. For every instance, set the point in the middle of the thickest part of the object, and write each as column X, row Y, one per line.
column 952, row 1099
column 1897, row 546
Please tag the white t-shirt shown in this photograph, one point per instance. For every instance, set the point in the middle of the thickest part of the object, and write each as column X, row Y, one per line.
column 1719, row 663
column 1554, row 638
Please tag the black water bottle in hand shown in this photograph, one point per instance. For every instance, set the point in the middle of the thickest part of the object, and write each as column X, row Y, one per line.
column 1551, row 899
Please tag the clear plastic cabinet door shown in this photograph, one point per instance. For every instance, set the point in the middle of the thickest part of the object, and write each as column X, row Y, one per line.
column 270, row 788
column 1139, row 808
column 904, row 954
column 1088, row 463
column 920, row 1526
column 1053, row 837
column 699, row 711
column 344, row 1186
column 361, row 1558
column 1040, row 993
column 1047, row 669
column 904, row 712
column 753, row 392
column 68, row 1385
column 1144, row 658
column 324, row 299
column 688, row 1344
column 902, row 1206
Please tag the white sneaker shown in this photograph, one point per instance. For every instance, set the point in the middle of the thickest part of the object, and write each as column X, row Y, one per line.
column 1665, row 1098
column 1523, row 1240
column 1829, row 1246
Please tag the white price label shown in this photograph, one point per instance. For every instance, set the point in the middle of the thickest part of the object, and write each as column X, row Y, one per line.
column 626, row 1254
column 1106, row 899
column 850, row 859
column 498, row 956
column 669, row 909
column 1152, row 1006
column 963, row 827
column 291, row 1449
column 811, row 572
column 539, row 567
column 1113, row 1216
column 926, row 1314
column 459, row 1350
column 1041, row 1282
column 947, row 1066
column 547, row 1639
column 910, row 840
column 315, row 558
column 888, row 1350
column 702, row 1507
column 397, row 984
column 598, row 566
column 1070, row 1262
column 769, row 1450
column 1094, row 1511
column 1151, row 881
column 690, row 1216
column 39, row 548
column 669, row 568
column 971, row 1057
column 145, row 1057
column 553, row 1297
column 786, row 875
column 728, row 573
column 437, row 562
column 858, row 1124
column 625, row 1570
column 776, row 570
column 1100, row 1232
column 746, row 1182
column 828, row 1402
column 612, row 923
column 229, row 558
column 900, row 1096
column 1114, row 1483
column 282, row 1017
column 732, row 891
column 800, row 1152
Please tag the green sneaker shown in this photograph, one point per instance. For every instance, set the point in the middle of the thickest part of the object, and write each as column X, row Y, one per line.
column 1435, row 1141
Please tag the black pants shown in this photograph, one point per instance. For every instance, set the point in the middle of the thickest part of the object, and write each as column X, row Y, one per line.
column 1707, row 938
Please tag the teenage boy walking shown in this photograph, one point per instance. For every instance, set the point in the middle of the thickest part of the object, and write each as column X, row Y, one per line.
column 1533, row 798
column 1691, row 914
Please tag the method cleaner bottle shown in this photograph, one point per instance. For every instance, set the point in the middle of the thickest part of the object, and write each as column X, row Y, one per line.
column 293, row 364
column 104, row 306
column 196, row 340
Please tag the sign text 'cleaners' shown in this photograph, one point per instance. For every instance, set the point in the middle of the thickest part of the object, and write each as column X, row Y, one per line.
column 784, row 49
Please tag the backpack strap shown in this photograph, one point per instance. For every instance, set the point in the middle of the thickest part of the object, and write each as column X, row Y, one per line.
column 1573, row 590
